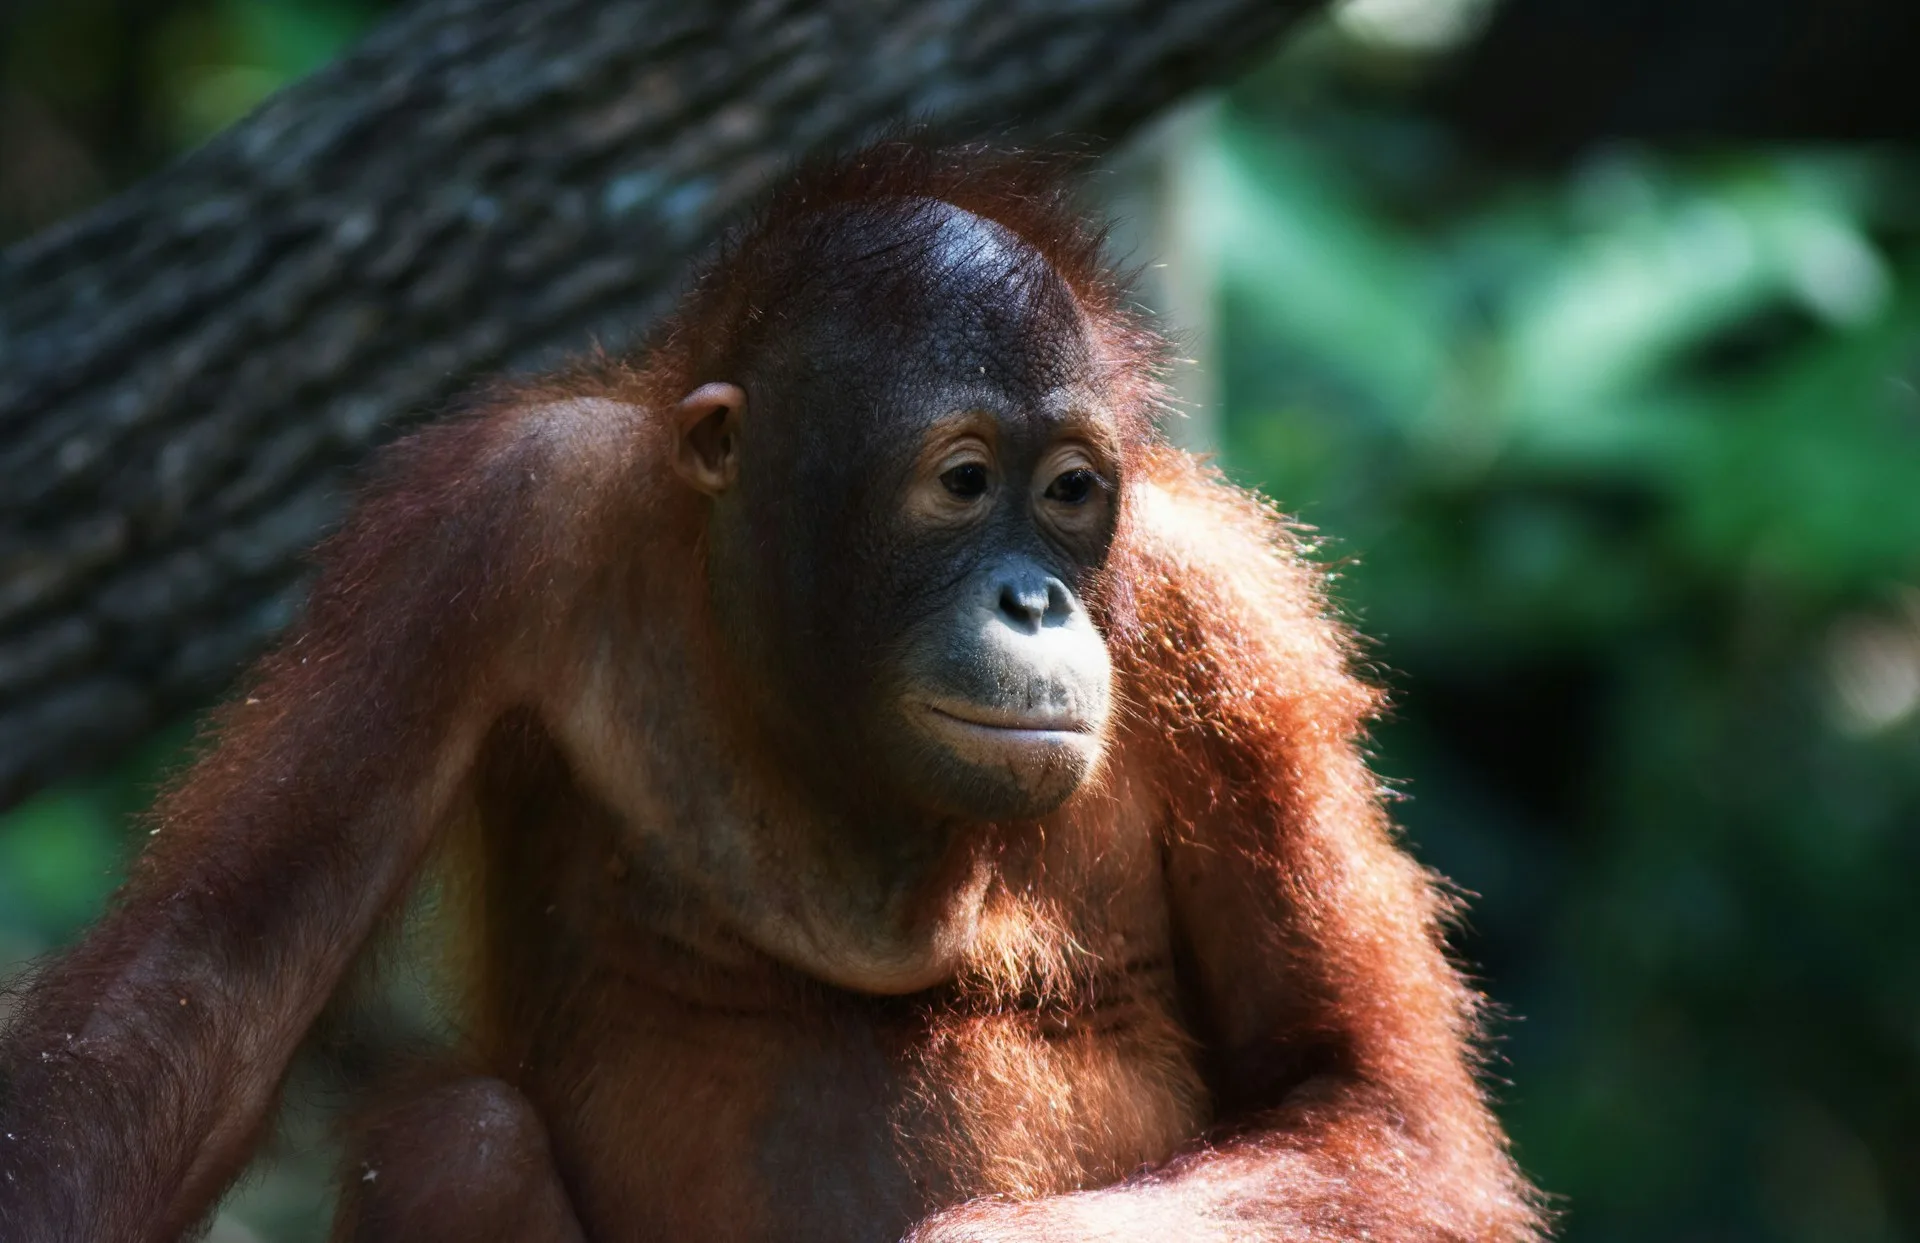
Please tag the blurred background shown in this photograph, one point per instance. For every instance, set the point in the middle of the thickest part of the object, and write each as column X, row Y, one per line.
column 1615, row 448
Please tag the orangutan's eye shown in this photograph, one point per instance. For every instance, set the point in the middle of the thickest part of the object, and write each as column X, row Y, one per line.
column 966, row 481
column 1073, row 487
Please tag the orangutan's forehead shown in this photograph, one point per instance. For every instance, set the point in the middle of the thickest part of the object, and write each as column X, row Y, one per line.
column 943, row 297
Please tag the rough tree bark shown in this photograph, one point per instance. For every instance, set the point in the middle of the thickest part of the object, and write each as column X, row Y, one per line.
column 186, row 371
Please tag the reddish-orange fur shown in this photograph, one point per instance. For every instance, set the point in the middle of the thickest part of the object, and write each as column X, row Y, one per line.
column 1208, row 998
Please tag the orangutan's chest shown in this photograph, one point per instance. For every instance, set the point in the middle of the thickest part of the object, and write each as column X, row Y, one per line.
column 851, row 1123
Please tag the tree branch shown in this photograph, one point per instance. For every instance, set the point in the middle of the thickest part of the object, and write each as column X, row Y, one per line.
column 186, row 371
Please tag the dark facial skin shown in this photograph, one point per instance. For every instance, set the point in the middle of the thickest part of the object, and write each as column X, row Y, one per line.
column 915, row 488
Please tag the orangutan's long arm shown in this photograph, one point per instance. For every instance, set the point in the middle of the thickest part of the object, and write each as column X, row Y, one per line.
column 142, row 1064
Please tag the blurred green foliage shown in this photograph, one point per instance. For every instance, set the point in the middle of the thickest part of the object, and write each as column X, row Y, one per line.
column 96, row 92
column 1620, row 466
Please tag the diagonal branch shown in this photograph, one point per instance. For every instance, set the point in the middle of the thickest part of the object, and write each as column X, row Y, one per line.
column 186, row 371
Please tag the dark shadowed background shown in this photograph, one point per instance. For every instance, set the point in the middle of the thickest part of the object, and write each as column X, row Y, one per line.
column 1588, row 334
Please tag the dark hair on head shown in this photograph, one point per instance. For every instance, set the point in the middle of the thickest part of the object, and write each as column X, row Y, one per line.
column 800, row 235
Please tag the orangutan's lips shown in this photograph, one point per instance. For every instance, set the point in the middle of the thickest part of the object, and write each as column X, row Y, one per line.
column 1040, row 726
